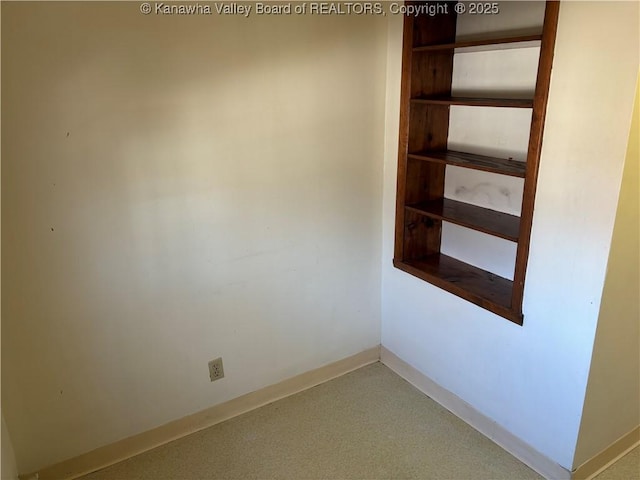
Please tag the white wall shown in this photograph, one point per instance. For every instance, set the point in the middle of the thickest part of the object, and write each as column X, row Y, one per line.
column 532, row 379
column 612, row 402
column 176, row 189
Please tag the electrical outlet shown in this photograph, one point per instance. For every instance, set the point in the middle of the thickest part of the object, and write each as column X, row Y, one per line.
column 216, row 372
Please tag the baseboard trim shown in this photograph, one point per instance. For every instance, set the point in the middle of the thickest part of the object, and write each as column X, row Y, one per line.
column 608, row 456
column 123, row 449
column 489, row 428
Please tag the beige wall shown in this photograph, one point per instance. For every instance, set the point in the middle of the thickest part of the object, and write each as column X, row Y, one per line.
column 8, row 460
column 612, row 403
column 176, row 189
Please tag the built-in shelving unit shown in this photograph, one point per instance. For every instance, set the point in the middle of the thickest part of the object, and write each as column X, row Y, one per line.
column 428, row 59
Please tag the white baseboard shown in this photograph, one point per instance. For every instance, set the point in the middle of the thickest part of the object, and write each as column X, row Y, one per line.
column 512, row 444
column 608, row 456
column 121, row 450
column 116, row 452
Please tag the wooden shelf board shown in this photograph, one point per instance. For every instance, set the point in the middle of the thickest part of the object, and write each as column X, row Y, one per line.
column 478, row 286
column 502, row 166
column 521, row 41
column 484, row 220
column 476, row 101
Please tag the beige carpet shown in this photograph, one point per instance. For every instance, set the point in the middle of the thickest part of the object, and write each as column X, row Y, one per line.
column 369, row 424
column 627, row 468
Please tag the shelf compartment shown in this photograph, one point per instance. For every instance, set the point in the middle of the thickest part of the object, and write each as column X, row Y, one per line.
column 503, row 166
column 484, row 220
column 478, row 286
column 520, row 41
column 475, row 101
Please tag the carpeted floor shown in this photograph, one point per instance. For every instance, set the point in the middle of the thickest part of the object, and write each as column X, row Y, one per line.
column 627, row 468
column 369, row 424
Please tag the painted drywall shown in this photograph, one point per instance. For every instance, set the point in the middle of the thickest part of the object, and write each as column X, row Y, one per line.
column 612, row 402
column 532, row 379
column 8, row 460
column 175, row 189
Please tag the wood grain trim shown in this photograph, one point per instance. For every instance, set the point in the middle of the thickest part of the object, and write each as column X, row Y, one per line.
column 403, row 141
column 465, row 281
column 475, row 101
column 535, row 146
column 467, row 215
column 501, row 166
column 486, row 42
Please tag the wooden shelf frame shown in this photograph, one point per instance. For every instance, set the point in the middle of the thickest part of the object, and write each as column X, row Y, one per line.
column 474, row 284
column 421, row 208
column 476, row 101
column 519, row 41
column 481, row 219
column 502, row 166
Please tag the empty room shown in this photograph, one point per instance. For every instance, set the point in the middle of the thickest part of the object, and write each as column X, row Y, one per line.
column 320, row 240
